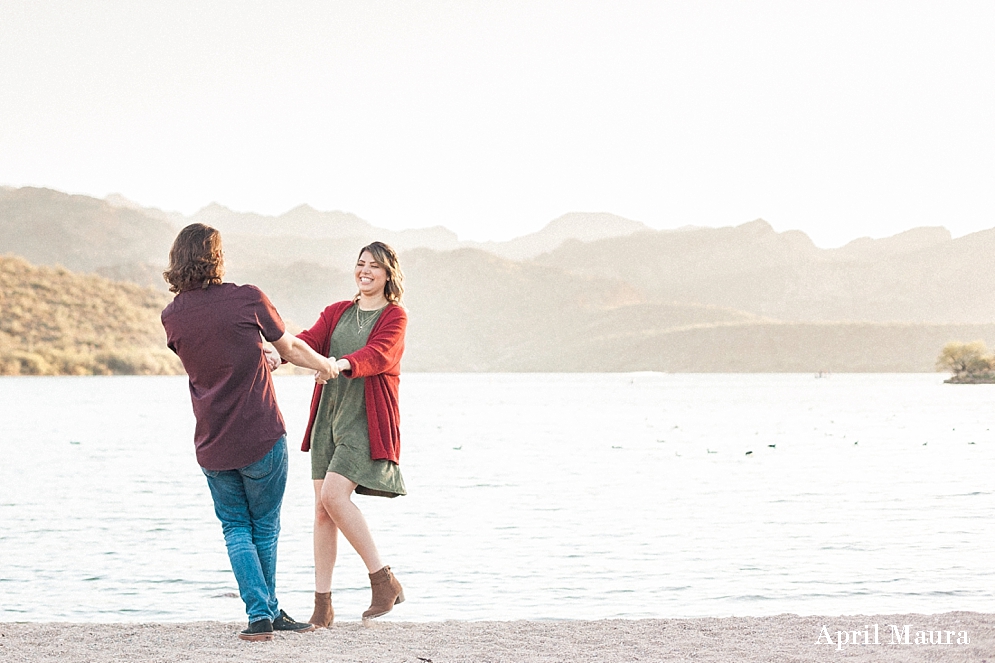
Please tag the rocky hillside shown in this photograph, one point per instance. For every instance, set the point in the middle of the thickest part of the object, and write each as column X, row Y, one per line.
column 56, row 322
column 921, row 276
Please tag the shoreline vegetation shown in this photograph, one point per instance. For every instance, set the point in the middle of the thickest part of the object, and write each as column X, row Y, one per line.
column 780, row 638
column 970, row 363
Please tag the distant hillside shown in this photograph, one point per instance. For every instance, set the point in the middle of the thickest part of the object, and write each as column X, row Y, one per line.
column 83, row 234
column 921, row 276
column 55, row 322
column 765, row 347
column 906, row 242
column 469, row 309
column 579, row 226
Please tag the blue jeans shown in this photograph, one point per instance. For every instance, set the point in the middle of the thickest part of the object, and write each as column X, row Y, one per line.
column 247, row 502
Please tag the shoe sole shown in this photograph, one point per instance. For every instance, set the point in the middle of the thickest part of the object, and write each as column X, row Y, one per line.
column 399, row 599
column 306, row 629
column 255, row 637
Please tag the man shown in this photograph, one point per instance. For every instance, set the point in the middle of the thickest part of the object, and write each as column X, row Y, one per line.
column 217, row 329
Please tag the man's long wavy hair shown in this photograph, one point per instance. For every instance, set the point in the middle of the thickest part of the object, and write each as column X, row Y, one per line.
column 196, row 259
column 393, row 290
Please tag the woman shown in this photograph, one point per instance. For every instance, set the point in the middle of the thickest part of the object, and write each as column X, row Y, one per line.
column 353, row 431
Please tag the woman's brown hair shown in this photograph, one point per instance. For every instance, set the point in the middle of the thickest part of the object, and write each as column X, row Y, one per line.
column 393, row 290
column 196, row 259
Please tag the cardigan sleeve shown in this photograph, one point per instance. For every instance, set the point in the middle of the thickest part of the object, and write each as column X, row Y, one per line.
column 383, row 348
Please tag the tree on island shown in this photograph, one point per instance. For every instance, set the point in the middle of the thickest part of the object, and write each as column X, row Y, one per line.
column 969, row 362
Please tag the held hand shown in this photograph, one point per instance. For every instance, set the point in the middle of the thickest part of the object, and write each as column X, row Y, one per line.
column 272, row 357
column 330, row 372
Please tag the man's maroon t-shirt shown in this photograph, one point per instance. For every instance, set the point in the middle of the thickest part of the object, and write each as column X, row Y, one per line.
column 216, row 333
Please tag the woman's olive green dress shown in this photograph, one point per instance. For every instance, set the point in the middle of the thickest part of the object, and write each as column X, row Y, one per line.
column 340, row 439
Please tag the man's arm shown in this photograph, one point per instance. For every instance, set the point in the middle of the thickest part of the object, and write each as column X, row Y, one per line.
column 300, row 353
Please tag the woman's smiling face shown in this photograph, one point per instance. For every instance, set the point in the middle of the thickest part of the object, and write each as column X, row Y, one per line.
column 371, row 276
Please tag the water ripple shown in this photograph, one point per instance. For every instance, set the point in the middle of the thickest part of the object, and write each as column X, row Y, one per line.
column 536, row 515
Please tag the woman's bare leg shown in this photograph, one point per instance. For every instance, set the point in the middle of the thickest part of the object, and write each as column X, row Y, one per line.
column 336, row 497
column 326, row 539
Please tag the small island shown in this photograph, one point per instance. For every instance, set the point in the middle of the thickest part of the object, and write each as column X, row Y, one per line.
column 970, row 363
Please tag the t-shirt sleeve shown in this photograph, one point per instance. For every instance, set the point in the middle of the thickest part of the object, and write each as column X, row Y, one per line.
column 269, row 321
column 169, row 337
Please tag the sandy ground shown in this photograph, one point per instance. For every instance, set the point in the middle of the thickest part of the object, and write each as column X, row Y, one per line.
column 787, row 638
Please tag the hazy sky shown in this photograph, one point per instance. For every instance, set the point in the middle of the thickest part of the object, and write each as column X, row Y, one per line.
column 838, row 118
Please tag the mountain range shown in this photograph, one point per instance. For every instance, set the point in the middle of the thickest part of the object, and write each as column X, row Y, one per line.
column 589, row 292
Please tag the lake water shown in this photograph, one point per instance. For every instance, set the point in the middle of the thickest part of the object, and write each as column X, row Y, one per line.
column 531, row 497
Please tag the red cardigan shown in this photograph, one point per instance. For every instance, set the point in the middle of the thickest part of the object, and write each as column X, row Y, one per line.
column 379, row 361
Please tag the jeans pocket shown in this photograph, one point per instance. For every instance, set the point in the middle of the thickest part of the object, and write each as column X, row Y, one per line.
column 260, row 468
column 210, row 473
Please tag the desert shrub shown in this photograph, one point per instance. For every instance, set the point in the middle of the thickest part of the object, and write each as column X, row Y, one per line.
column 19, row 362
column 139, row 362
column 964, row 359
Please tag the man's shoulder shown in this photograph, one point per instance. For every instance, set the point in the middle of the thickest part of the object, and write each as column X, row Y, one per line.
column 168, row 309
column 240, row 294
column 244, row 291
column 174, row 307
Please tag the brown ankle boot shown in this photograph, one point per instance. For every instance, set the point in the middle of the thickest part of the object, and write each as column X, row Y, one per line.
column 387, row 592
column 323, row 612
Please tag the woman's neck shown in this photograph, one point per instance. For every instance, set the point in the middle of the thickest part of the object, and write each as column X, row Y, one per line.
column 371, row 302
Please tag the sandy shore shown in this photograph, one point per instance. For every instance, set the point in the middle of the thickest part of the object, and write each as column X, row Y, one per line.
column 787, row 638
